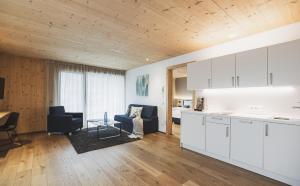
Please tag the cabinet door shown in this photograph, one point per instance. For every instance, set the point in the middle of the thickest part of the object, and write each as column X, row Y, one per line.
column 223, row 72
column 247, row 141
column 217, row 139
column 282, row 149
column 199, row 75
column 251, row 68
column 284, row 64
column 193, row 130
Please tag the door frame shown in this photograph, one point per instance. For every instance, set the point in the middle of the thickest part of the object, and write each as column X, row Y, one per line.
column 170, row 95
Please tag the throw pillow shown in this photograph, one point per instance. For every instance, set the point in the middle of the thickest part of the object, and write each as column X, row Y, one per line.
column 135, row 112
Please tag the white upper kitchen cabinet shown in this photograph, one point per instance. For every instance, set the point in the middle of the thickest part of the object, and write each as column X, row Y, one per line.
column 247, row 138
column 192, row 130
column 223, row 72
column 284, row 64
column 252, row 68
column 199, row 75
column 282, row 149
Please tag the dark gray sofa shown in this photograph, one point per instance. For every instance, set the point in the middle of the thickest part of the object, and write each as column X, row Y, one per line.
column 149, row 116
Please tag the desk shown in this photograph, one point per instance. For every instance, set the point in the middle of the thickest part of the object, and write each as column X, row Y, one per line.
column 3, row 117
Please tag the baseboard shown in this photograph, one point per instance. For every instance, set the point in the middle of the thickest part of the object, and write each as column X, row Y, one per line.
column 34, row 132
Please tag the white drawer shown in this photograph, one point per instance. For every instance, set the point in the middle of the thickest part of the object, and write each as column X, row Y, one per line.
column 218, row 119
column 242, row 121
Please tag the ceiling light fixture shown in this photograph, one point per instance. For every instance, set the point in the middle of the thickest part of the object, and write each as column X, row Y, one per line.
column 233, row 35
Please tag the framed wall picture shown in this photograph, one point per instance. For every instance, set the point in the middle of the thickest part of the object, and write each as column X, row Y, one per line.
column 142, row 85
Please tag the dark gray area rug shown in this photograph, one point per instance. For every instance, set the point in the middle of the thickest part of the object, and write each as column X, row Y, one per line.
column 84, row 141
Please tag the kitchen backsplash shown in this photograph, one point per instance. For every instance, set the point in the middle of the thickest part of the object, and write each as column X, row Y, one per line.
column 264, row 100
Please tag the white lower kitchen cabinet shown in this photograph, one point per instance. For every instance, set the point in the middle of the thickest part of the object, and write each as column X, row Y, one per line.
column 247, row 138
column 269, row 148
column 192, row 131
column 218, row 139
column 282, row 149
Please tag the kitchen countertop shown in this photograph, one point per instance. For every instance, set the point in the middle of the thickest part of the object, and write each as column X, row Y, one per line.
column 294, row 120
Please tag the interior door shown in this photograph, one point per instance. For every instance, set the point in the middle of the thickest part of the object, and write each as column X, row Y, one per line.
column 252, row 68
column 199, row 75
column 282, row 149
column 284, row 64
column 223, row 72
column 247, row 141
column 193, row 130
column 217, row 139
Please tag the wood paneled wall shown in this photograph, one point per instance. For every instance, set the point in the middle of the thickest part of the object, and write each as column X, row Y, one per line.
column 25, row 90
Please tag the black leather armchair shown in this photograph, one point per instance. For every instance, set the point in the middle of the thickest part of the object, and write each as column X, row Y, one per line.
column 149, row 116
column 63, row 122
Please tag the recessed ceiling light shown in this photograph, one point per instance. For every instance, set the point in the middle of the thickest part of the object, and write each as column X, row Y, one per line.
column 233, row 35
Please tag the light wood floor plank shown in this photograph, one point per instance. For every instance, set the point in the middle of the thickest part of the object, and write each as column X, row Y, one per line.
column 155, row 160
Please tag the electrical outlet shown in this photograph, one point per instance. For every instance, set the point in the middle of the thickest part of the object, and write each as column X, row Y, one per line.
column 256, row 107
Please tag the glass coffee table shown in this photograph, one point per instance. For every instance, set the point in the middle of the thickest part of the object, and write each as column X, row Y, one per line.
column 102, row 125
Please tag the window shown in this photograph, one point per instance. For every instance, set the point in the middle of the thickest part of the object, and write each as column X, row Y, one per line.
column 105, row 93
column 72, row 91
column 92, row 93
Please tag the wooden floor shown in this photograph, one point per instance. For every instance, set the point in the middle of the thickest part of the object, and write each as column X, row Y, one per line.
column 176, row 130
column 155, row 160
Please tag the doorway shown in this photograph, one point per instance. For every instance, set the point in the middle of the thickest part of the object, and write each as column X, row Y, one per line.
column 179, row 98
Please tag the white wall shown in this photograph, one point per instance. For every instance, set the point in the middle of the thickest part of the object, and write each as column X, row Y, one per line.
column 157, row 71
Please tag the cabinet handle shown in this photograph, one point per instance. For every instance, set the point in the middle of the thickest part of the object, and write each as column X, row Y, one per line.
column 217, row 118
column 208, row 82
column 271, row 78
column 238, row 81
column 267, row 130
column 232, row 80
column 227, row 132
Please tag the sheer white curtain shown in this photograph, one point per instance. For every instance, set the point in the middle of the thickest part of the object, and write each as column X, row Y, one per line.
column 72, row 91
column 90, row 90
column 104, row 93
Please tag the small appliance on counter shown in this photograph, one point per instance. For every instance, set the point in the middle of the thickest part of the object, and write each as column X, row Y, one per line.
column 179, row 102
column 199, row 104
column 187, row 103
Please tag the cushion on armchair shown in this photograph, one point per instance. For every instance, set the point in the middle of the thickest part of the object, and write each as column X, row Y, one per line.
column 135, row 112
column 58, row 110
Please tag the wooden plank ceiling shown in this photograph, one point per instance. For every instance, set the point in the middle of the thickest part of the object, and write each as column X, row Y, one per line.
column 123, row 34
column 180, row 72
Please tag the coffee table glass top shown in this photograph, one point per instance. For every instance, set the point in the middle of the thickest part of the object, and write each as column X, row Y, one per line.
column 103, row 125
column 102, row 122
